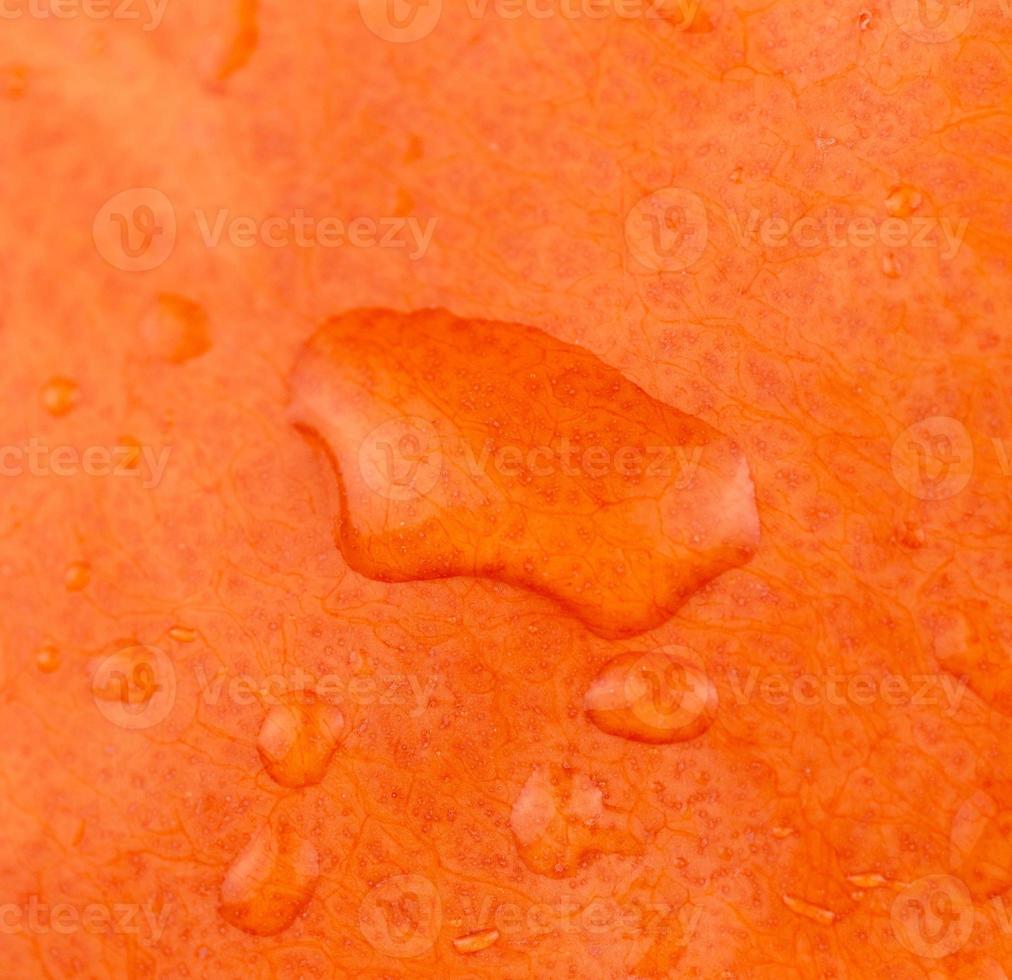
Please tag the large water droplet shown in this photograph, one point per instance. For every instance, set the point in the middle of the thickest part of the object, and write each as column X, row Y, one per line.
column 559, row 819
column 652, row 697
column 297, row 740
column 475, row 448
column 270, row 881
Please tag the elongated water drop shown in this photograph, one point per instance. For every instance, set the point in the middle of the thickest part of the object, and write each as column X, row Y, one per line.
column 270, row 881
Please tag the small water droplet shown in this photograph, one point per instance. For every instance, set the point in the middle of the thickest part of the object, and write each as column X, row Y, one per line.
column 59, row 396
column 867, row 880
column 183, row 634
column 736, row 175
column 130, row 452
column 244, row 42
column 890, row 266
column 475, row 942
column 652, row 697
column 77, row 576
column 176, row 329
column 297, row 740
column 270, row 881
column 809, row 911
column 911, row 535
column 16, row 80
column 864, row 20
column 48, row 658
column 903, row 200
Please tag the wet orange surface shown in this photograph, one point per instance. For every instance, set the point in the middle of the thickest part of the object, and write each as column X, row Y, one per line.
column 506, row 489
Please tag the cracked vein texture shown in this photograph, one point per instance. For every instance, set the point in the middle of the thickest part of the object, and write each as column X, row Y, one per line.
column 469, row 447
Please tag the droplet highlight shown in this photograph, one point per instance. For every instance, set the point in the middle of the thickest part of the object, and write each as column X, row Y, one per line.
column 903, row 200
column 652, row 697
column 59, row 396
column 270, row 882
column 891, row 266
column 77, row 576
column 47, row 659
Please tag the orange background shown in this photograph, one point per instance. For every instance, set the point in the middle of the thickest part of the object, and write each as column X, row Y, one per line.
column 795, row 836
